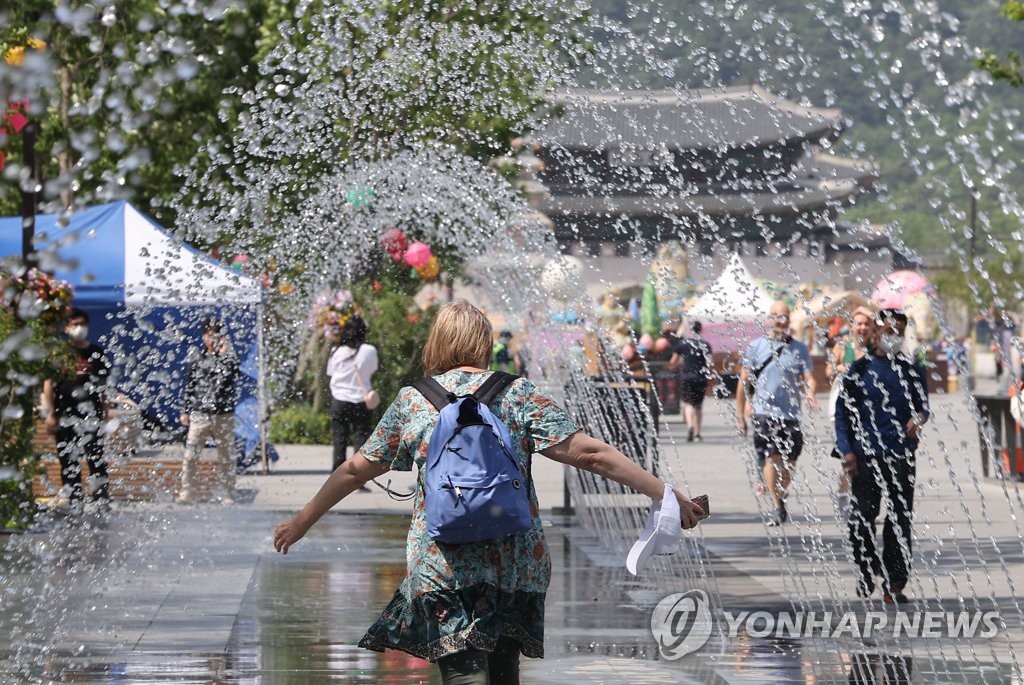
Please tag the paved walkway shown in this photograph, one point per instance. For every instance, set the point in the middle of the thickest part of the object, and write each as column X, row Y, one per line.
column 161, row 593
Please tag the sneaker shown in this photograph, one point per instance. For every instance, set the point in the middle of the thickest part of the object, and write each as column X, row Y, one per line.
column 228, row 501
column 778, row 517
column 896, row 597
column 689, row 436
column 184, row 499
column 698, row 438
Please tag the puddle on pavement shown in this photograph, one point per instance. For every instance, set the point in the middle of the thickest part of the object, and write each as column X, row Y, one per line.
column 303, row 615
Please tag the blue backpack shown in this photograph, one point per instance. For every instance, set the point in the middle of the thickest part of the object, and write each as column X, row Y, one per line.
column 474, row 488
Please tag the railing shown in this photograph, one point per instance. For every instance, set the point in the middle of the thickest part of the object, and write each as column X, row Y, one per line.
column 1002, row 450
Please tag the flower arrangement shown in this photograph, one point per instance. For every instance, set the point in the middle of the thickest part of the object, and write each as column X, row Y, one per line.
column 36, row 295
column 330, row 312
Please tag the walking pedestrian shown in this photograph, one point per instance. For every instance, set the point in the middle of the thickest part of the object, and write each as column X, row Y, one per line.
column 882, row 406
column 692, row 356
column 472, row 608
column 776, row 373
column 208, row 410
column 848, row 350
column 503, row 358
column 76, row 408
column 351, row 368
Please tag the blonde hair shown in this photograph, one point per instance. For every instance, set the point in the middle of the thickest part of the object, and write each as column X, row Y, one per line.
column 865, row 310
column 460, row 336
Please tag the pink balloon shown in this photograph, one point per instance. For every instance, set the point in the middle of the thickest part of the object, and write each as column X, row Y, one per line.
column 660, row 345
column 628, row 352
column 646, row 341
column 418, row 255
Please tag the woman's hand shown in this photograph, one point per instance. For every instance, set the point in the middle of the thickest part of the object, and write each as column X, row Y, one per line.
column 288, row 533
column 689, row 512
column 344, row 480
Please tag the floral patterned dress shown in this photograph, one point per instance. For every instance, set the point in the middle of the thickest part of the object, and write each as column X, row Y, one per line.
column 459, row 597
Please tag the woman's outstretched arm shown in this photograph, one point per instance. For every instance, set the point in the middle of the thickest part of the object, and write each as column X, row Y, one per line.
column 344, row 480
column 590, row 454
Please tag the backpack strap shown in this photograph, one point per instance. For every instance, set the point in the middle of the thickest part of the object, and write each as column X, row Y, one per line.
column 434, row 392
column 495, row 383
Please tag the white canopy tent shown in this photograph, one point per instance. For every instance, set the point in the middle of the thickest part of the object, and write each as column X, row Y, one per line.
column 734, row 297
column 732, row 308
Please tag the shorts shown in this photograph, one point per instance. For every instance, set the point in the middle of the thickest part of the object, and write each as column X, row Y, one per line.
column 692, row 392
column 773, row 435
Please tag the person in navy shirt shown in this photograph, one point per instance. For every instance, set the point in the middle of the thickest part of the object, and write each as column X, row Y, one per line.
column 882, row 405
column 76, row 410
column 776, row 378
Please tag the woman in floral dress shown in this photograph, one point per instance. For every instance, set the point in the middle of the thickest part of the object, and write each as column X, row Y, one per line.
column 472, row 608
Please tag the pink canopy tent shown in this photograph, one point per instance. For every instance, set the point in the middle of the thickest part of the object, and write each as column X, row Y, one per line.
column 893, row 290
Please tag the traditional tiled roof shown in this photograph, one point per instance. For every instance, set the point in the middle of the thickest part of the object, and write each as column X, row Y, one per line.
column 685, row 119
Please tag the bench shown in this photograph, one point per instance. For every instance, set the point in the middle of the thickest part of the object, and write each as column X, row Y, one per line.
column 140, row 478
column 146, row 476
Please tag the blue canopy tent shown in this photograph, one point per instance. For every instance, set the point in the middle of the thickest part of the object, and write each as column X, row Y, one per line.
column 147, row 294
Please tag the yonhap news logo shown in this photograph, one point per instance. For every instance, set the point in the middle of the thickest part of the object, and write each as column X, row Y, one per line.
column 682, row 623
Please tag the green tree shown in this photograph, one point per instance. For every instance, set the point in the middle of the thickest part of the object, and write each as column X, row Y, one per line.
column 1006, row 69
column 994, row 280
column 125, row 93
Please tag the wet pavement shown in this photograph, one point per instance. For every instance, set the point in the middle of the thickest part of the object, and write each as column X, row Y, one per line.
column 153, row 592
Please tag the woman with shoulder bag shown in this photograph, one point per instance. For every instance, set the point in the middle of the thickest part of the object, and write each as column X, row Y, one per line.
column 350, row 369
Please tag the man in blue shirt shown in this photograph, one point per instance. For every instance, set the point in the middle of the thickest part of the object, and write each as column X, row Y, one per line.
column 882, row 405
column 776, row 376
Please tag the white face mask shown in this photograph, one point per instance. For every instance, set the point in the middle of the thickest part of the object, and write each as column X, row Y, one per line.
column 78, row 333
column 890, row 344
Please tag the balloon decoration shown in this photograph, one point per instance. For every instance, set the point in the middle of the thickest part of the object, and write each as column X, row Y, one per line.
column 418, row 255
column 562, row 278
column 394, row 242
column 628, row 352
column 430, row 270
column 661, row 345
column 238, row 263
column 359, row 197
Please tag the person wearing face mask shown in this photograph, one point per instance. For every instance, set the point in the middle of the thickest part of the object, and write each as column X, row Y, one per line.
column 883, row 404
column 75, row 409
